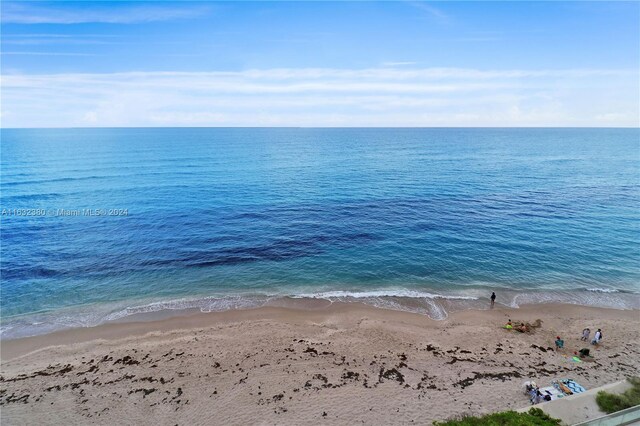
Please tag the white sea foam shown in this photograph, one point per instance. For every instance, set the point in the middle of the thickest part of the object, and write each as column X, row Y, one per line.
column 605, row 299
column 436, row 311
column 431, row 308
column 436, row 306
column 378, row 298
column 414, row 294
column 91, row 316
column 603, row 290
column 430, row 304
column 5, row 328
column 94, row 315
column 204, row 304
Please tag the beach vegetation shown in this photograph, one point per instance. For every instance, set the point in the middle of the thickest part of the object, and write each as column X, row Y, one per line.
column 534, row 417
column 611, row 402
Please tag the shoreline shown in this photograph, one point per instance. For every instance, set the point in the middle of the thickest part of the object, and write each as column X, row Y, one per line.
column 343, row 363
column 142, row 324
column 435, row 304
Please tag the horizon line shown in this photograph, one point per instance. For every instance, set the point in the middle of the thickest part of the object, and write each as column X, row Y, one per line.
column 320, row 127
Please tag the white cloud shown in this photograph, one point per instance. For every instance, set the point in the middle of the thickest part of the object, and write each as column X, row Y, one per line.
column 430, row 11
column 397, row 64
column 33, row 13
column 36, row 41
column 614, row 117
column 324, row 97
column 8, row 36
column 45, row 53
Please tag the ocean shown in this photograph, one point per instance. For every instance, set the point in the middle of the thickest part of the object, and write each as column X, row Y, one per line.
column 101, row 224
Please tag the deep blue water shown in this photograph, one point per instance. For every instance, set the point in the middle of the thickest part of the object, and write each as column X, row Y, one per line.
column 222, row 218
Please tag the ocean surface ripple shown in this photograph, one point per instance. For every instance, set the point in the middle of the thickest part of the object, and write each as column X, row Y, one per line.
column 423, row 220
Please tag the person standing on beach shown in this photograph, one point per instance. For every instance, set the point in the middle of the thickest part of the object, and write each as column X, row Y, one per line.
column 493, row 298
column 585, row 334
column 559, row 343
column 597, row 337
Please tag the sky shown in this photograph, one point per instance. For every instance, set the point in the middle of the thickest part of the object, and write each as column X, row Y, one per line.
column 394, row 63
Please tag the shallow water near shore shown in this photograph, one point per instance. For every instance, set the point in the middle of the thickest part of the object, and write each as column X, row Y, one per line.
column 126, row 221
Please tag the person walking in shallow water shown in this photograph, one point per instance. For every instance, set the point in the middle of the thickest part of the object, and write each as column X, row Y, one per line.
column 493, row 298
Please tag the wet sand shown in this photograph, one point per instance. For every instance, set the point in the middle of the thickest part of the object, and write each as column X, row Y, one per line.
column 341, row 364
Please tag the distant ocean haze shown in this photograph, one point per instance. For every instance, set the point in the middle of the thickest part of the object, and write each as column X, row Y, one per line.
column 425, row 220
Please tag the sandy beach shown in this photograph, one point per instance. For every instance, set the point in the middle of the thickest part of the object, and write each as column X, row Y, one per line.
column 342, row 364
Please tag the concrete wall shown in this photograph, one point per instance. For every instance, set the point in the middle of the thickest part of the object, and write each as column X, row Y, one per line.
column 580, row 407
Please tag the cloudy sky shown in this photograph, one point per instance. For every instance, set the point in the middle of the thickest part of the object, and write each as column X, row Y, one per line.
column 69, row 64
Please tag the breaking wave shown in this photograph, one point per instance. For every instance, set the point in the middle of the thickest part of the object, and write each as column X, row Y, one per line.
column 435, row 305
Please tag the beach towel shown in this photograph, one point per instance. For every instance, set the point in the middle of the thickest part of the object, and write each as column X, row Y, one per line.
column 573, row 386
column 563, row 388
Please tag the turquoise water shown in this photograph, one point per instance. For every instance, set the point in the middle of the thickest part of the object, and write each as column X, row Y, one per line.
column 99, row 224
